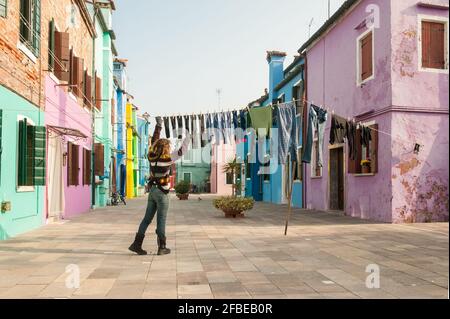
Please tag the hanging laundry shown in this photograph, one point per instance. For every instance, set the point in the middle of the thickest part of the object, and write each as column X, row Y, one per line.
column 229, row 127
column 216, row 126
column 180, row 127
column 288, row 141
column 209, row 126
column 173, row 121
column 223, row 125
column 195, row 132
column 243, row 120
column 235, row 120
column 167, row 126
column 366, row 136
column 338, row 130
column 316, row 125
column 351, row 140
column 201, row 119
column 261, row 118
column 187, row 119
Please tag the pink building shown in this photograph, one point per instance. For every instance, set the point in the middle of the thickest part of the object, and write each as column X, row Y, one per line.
column 384, row 63
column 69, row 153
column 221, row 183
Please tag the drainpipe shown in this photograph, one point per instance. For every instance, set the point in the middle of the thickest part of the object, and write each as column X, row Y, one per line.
column 305, row 114
column 93, row 79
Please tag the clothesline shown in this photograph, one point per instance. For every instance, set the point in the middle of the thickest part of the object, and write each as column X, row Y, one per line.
column 360, row 123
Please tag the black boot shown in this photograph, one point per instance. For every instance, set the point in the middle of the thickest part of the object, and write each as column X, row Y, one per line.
column 162, row 250
column 136, row 246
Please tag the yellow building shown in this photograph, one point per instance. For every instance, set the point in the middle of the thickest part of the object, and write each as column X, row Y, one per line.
column 132, row 160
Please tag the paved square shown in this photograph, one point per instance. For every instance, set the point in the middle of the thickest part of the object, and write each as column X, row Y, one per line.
column 325, row 255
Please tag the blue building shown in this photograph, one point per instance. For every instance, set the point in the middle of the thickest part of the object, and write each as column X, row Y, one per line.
column 285, row 85
column 120, row 123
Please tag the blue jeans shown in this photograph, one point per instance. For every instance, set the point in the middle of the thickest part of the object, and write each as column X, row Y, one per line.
column 158, row 203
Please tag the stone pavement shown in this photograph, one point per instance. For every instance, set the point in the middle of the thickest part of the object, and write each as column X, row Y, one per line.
column 325, row 255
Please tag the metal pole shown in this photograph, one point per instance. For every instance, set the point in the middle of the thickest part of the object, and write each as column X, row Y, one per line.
column 290, row 186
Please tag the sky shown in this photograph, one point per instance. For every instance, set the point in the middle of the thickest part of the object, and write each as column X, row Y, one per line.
column 181, row 52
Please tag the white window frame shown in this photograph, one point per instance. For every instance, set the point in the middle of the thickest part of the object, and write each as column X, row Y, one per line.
column 438, row 19
column 22, row 189
column 359, row 81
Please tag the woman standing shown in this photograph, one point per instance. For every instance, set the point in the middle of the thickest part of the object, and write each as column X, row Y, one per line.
column 161, row 161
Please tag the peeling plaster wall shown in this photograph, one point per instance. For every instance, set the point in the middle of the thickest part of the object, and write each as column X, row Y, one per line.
column 420, row 181
column 411, row 87
column 332, row 81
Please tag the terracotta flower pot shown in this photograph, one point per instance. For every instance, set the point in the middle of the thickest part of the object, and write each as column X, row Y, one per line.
column 366, row 169
column 232, row 213
column 183, row 196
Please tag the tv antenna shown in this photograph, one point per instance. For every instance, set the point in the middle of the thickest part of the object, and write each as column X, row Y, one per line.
column 309, row 27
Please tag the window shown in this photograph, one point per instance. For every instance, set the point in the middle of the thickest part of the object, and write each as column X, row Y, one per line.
column 73, row 166
column 31, row 160
column 188, row 157
column 297, row 93
column 3, row 6
column 87, row 167
column 187, row 177
column 365, row 57
column 366, row 156
column 281, row 98
column 30, row 24
column 434, row 46
column 229, row 178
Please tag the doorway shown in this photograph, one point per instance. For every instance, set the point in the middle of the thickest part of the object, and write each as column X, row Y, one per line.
column 55, row 186
column 337, row 178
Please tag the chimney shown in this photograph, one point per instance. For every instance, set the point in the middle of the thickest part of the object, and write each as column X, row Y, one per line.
column 276, row 68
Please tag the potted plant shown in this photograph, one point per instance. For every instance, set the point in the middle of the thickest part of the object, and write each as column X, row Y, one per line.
column 365, row 165
column 233, row 206
column 182, row 190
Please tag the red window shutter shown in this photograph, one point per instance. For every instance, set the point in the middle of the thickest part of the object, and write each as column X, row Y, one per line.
column 88, row 90
column 99, row 159
column 98, row 93
column 69, row 164
column 433, row 45
column 374, row 148
column 78, row 72
column 86, row 167
column 62, row 56
column 366, row 57
column 426, row 44
column 437, row 46
column 76, row 164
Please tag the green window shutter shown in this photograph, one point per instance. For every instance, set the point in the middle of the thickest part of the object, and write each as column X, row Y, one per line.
column 39, row 155
column 22, row 165
column 36, row 27
column 3, row 8
column 51, row 45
